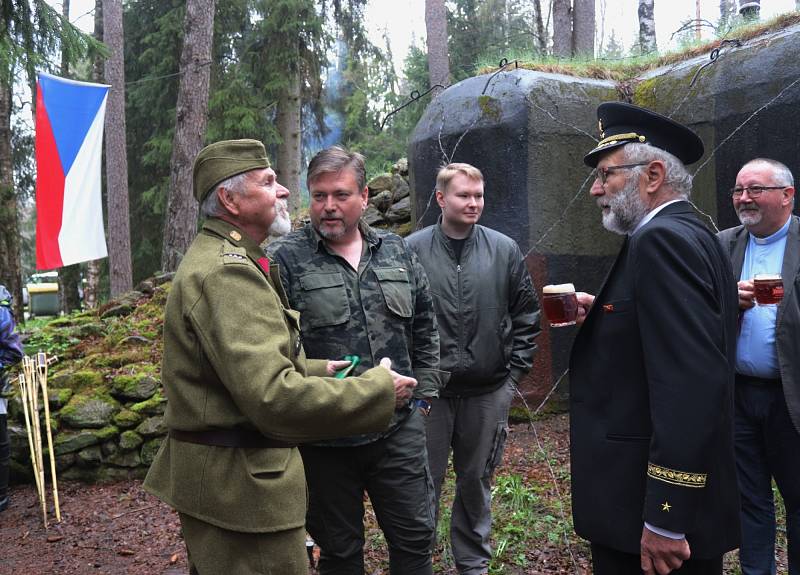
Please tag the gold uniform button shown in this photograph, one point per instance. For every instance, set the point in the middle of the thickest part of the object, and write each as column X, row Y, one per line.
column 235, row 235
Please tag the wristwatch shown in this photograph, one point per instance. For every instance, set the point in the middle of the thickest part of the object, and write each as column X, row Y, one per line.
column 424, row 405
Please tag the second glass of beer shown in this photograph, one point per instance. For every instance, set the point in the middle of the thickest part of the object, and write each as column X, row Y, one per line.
column 768, row 289
column 560, row 304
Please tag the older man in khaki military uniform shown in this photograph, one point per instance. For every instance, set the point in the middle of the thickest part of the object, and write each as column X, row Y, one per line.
column 241, row 392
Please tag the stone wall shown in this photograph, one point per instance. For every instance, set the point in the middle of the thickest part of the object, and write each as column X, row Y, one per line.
column 105, row 395
column 389, row 200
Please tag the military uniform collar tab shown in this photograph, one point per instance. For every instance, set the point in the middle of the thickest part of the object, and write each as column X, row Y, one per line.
column 231, row 233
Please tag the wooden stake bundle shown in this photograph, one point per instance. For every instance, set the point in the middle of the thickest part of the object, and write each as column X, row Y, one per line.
column 31, row 380
column 41, row 368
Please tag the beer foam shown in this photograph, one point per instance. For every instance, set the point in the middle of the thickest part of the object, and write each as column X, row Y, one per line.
column 560, row 288
column 767, row 277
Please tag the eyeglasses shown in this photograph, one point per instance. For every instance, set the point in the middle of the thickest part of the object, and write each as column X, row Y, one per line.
column 754, row 191
column 603, row 173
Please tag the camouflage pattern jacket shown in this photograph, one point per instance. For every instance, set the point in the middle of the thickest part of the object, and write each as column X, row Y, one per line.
column 387, row 311
column 233, row 360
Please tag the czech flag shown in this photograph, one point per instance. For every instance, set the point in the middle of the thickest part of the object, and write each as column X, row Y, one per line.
column 69, row 151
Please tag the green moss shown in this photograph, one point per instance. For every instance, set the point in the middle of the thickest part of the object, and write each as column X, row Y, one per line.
column 85, row 379
column 129, row 440
column 490, row 107
column 152, row 406
column 106, row 433
column 127, row 419
column 58, row 397
column 117, row 359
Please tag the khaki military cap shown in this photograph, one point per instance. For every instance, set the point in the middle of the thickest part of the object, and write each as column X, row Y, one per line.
column 222, row 160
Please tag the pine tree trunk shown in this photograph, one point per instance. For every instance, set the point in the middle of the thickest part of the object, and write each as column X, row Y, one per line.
column 647, row 27
column 69, row 277
column 180, row 225
column 438, row 53
column 287, row 122
column 583, row 28
column 541, row 38
column 119, row 237
column 9, row 230
column 92, row 288
column 562, row 29
column 727, row 8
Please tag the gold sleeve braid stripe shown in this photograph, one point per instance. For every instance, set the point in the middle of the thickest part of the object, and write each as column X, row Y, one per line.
column 681, row 478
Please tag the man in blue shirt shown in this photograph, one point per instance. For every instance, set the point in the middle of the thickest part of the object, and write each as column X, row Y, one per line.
column 767, row 409
column 10, row 353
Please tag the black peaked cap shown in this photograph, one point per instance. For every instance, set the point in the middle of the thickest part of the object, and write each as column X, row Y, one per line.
column 621, row 123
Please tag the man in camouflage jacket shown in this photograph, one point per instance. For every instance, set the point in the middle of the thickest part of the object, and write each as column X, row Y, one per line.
column 363, row 292
column 241, row 392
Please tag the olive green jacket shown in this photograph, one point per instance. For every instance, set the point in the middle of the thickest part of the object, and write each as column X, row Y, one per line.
column 233, row 359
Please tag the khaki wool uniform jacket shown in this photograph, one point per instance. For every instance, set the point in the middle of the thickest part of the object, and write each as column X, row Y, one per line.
column 233, row 359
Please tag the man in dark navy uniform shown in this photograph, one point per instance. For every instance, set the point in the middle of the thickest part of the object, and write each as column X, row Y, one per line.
column 653, row 474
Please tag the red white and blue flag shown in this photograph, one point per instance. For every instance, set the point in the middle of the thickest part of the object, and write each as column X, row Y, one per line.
column 69, row 151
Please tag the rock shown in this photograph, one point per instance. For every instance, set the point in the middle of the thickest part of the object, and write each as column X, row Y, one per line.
column 149, row 450
column 125, row 459
column 379, row 183
column 401, row 167
column 123, row 305
column 68, row 442
column 372, row 216
column 134, row 340
column 152, row 426
column 400, row 188
column 84, row 379
column 162, row 278
column 127, row 419
column 59, row 380
column 18, row 440
column 118, row 358
column 153, row 406
column 89, row 409
column 382, row 200
column 58, row 398
column 82, row 474
column 147, row 286
column 89, row 457
column 65, row 462
column 89, row 330
column 129, row 440
column 108, row 448
column 106, row 433
column 399, row 212
column 133, row 387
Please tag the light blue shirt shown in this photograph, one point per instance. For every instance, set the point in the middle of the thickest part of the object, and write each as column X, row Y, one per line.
column 756, row 353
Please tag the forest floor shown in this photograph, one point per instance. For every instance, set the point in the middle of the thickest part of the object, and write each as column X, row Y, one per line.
column 119, row 529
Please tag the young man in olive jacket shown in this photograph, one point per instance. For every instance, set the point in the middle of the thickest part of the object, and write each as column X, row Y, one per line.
column 488, row 317
column 241, row 392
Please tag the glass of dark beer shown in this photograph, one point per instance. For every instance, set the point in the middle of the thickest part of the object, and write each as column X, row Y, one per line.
column 768, row 289
column 560, row 304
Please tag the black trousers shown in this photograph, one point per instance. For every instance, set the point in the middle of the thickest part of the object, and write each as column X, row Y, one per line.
column 608, row 561
column 394, row 472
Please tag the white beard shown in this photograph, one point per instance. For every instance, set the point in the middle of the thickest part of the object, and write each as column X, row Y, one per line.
column 282, row 224
column 626, row 209
column 749, row 217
